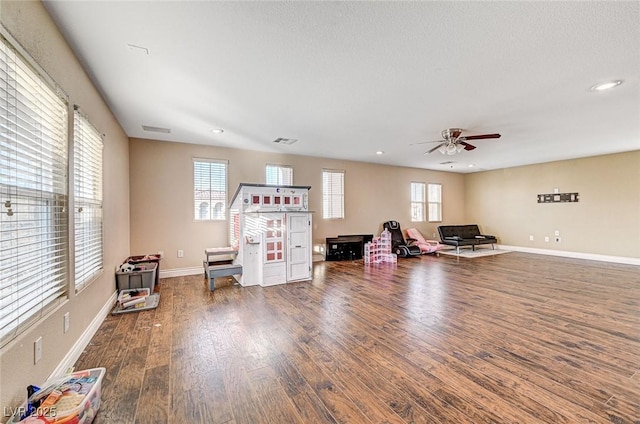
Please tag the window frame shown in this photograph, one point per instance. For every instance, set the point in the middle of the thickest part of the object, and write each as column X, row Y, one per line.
column 211, row 200
column 34, row 191
column 329, row 197
column 435, row 203
column 88, row 180
column 281, row 170
column 417, row 204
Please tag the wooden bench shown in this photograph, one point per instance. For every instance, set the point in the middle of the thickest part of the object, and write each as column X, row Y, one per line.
column 215, row 265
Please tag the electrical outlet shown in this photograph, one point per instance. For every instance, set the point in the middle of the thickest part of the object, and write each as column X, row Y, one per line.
column 435, row 235
column 66, row 322
column 531, row 238
column 556, row 233
column 160, row 253
column 37, row 350
column 180, row 253
column 546, row 239
column 558, row 239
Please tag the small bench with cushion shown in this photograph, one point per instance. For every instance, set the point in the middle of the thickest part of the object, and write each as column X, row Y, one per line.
column 464, row 235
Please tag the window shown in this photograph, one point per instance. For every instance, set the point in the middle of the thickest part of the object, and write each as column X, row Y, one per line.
column 33, row 193
column 435, row 202
column 210, row 189
column 87, row 190
column 332, row 194
column 417, row 202
column 279, row 175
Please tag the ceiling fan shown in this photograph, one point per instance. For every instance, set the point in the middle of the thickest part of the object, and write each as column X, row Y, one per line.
column 454, row 142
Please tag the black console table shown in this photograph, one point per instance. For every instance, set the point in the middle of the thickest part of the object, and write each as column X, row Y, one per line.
column 346, row 247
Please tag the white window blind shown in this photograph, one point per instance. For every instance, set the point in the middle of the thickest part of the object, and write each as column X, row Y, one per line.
column 87, row 188
column 332, row 194
column 33, row 194
column 435, row 202
column 279, row 175
column 418, row 202
column 210, row 189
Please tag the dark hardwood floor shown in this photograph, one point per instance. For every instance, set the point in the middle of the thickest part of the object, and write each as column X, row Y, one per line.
column 512, row 338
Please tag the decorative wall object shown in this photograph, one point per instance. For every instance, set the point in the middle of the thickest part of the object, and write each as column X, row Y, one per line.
column 558, row 198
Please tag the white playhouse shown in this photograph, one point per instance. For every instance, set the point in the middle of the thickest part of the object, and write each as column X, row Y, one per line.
column 270, row 229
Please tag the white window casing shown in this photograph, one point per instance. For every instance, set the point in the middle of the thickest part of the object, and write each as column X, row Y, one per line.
column 434, row 197
column 332, row 194
column 418, row 201
column 87, row 189
column 281, row 175
column 33, row 192
column 209, row 189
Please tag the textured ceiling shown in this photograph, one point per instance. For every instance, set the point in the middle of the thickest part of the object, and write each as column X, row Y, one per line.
column 350, row 78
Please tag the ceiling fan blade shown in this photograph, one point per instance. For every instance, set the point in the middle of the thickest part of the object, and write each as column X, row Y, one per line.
column 467, row 146
column 482, row 136
column 435, row 148
column 426, row 142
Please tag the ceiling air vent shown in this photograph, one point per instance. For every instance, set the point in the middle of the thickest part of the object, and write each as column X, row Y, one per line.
column 156, row 129
column 285, row 140
column 138, row 49
column 449, row 162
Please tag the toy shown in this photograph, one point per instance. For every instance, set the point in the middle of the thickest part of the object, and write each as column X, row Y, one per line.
column 127, row 267
column 71, row 399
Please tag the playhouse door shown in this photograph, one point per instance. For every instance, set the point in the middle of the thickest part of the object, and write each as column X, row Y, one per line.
column 298, row 251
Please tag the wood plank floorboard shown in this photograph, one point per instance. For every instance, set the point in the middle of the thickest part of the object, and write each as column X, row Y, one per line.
column 511, row 338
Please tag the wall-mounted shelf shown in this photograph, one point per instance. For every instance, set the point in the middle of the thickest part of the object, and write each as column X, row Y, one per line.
column 558, row 198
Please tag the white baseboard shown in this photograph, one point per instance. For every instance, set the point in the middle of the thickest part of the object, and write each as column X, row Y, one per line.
column 181, row 272
column 78, row 347
column 195, row 270
column 576, row 255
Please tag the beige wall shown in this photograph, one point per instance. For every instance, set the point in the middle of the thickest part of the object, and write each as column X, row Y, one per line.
column 605, row 221
column 31, row 25
column 504, row 202
column 162, row 196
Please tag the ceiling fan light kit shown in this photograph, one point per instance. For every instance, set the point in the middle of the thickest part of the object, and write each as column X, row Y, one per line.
column 450, row 149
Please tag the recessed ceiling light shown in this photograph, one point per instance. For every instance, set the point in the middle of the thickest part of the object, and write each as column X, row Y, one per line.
column 606, row 85
column 379, row 152
column 217, row 130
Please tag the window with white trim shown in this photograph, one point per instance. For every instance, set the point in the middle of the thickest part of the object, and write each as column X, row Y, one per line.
column 418, row 202
column 33, row 192
column 332, row 194
column 435, row 202
column 209, row 189
column 87, row 191
column 279, row 175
